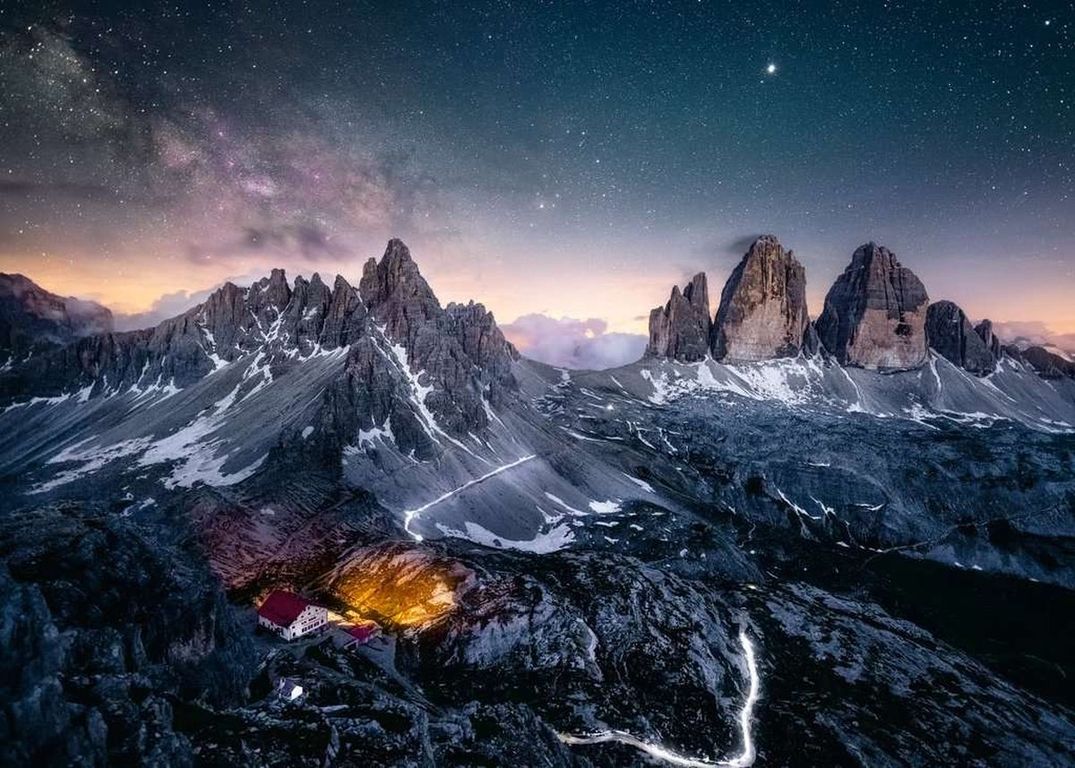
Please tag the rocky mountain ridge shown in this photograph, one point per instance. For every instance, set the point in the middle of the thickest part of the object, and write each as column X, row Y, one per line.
column 877, row 316
column 398, row 343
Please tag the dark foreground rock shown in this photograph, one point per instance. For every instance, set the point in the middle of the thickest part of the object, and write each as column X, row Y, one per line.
column 101, row 631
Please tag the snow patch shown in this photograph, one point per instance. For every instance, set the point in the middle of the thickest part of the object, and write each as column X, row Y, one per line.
column 605, row 507
column 543, row 543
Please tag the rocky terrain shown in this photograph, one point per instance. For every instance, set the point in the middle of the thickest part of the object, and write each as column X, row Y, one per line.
column 952, row 336
column 757, row 545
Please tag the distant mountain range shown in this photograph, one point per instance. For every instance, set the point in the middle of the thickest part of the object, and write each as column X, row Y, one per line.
column 34, row 320
column 214, row 394
column 877, row 316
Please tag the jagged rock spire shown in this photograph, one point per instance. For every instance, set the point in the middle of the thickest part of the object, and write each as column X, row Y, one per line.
column 762, row 313
column 680, row 329
column 985, row 332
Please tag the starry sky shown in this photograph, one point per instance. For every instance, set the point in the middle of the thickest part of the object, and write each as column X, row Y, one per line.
column 562, row 162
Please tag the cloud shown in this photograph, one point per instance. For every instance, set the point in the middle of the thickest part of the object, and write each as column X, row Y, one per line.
column 571, row 343
column 1025, row 333
column 740, row 245
column 283, row 242
column 166, row 306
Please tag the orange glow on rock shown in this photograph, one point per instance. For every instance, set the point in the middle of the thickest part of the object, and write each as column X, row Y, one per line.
column 401, row 586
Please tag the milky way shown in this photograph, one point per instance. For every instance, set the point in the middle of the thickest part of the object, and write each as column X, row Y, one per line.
column 560, row 161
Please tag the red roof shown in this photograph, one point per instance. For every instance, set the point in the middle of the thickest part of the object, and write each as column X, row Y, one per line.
column 282, row 608
column 362, row 632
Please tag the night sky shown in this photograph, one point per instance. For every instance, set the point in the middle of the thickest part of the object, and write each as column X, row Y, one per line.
column 563, row 159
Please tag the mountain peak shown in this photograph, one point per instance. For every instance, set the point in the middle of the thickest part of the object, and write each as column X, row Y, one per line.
column 395, row 277
column 985, row 331
column 680, row 329
column 868, row 252
column 875, row 313
column 952, row 336
column 396, row 248
column 762, row 313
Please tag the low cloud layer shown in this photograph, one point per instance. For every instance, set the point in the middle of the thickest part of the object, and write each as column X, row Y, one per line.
column 1033, row 332
column 571, row 343
column 166, row 306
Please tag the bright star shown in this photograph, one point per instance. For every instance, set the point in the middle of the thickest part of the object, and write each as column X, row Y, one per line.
column 771, row 69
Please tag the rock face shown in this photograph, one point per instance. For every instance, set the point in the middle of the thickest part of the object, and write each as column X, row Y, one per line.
column 456, row 360
column 985, row 332
column 31, row 318
column 762, row 312
column 680, row 329
column 951, row 335
column 875, row 313
column 107, row 627
column 284, row 325
column 448, row 343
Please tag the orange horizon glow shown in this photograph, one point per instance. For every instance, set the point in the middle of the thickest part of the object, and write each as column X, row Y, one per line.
column 131, row 283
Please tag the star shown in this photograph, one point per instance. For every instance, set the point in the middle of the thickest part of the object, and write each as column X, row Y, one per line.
column 770, row 69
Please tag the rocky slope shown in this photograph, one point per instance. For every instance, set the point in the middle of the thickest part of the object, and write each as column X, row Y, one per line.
column 680, row 329
column 762, row 313
column 104, row 626
column 33, row 320
column 1048, row 364
column 383, row 359
column 875, row 313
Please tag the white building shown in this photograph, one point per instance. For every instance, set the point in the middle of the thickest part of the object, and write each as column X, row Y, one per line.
column 289, row 689
column 291, row 616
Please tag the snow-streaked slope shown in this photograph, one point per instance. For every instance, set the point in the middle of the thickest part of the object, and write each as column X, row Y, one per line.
column 938, row 390
column 215, row 432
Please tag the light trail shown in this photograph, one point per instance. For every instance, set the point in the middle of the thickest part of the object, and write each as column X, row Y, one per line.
column 410, row 514
column 744, row 760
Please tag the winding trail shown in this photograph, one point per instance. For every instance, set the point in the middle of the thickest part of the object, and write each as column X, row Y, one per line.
column 744, row 760
column 410, row 514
